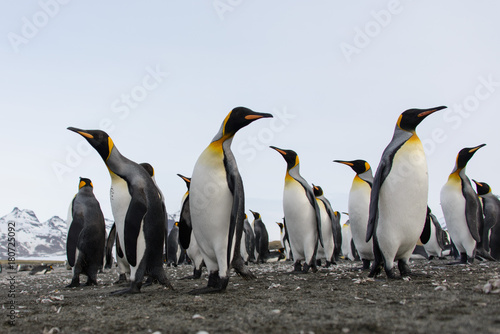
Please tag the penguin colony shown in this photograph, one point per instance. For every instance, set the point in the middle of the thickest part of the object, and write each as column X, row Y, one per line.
column 388, row 214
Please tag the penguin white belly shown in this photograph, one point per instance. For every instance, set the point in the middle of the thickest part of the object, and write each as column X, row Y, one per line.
column 453, row 206
column 300, row 221
column 243, row 247
column 403, row 202
column 432, row 246
column 346, row 242
column 358, row 206
column 210, row 204
column 120, row 202
column 194, row 251
column 326, row 233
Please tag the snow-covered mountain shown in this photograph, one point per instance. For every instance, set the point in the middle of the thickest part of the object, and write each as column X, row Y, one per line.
column 33, row 238
column 36, row 239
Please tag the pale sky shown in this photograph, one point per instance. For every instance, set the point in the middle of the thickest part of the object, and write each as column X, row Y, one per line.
column 160, row 76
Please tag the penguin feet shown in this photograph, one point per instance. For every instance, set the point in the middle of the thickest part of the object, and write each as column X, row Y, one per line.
column 297, row 268
column 366, row 265
column 241, row 269
column 404, row 269
column 463, row 260
column 91, row 282
column 215, row 284
column 75, row 282
column 196, row 275
column 121, row 279
column 391, row 273
column 133, row 289
column 376, row 270
column 150, row 281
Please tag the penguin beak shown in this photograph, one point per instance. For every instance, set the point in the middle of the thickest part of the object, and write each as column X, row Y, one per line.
column 188, row 180
column 280, row 151
column 427, row 112
column 81, row 132
column 258, row 115
column 344, row 162
column 474, row 149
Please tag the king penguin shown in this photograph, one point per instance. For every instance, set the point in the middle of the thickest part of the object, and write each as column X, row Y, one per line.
column 398, row 200
column 491, row 226
column 302, row 215
column 261, row 238
column 328, row 221
column 438, row 238
column 285, row 242
column 186, row 235
column 248, row 241
column 138, row 211
column 358, row 207
column 86, row 235
column 217, row 203
column 462, row 208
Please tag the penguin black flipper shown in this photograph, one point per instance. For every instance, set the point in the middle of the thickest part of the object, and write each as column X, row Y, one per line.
column 72, row 240
column 133, row 220
column 383, row 171
column 473, row 211
column 185, row 225
column 426, row 232
column 312, row 200
column 109, row 247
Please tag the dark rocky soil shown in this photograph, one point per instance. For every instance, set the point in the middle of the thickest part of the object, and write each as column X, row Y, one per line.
column 340, row 299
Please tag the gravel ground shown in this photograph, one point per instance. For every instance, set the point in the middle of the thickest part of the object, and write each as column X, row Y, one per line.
column 339, row 299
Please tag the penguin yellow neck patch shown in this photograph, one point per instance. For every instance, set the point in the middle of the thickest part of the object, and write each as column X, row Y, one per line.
column 110, row 147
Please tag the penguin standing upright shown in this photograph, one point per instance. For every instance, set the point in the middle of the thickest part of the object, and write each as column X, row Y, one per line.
column 491, row 227
column 328, row 219
column 438, row 239
column 174, row 250
column 303, row 221
column 248, row 242
column 359, row 207
column 217, row 203
column 462, row 208
column 261, row 238
column 138, row 211
column 285, row 242
column 398, row 200
column 186, row 235
column 86, row 235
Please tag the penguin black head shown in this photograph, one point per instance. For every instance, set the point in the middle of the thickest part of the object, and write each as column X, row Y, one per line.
column 317, row 190
column 148, row 168
column 410, row 118
column 238, row 118
column 84, row 182
column 98, row 139
column 291, row 158
column 482, row 188
column 256, row 215
column 280, row 225
column 465, row 155
column 186, row 179
column 358, row 166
